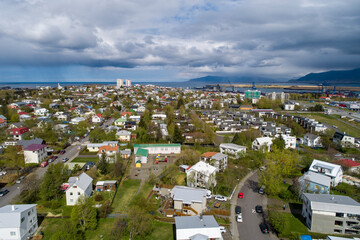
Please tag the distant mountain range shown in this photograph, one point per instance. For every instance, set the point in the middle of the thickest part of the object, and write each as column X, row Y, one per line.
column 331, row 77
column 240, row 79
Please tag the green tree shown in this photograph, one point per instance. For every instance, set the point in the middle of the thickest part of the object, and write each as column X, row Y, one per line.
column 177, row 137
column 139, row 222
column 14, row 158
column 279, row 143
column 277, row 221
column 103, row 164
column 83, row 215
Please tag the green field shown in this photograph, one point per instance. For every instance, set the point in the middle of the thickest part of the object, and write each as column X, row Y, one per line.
column 124, row 195
column 355, row 132
column 161, row 231
column 85, row 159
column 104, row 228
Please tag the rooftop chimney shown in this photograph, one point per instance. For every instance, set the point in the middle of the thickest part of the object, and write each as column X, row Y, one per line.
column 201, row 217
column 12, row 207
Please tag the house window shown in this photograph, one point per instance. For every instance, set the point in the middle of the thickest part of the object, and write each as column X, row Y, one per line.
column 71, row 194
column 339, row 214
column 79, row 193
column 29, row 213
column 12, row 233
column 339, row 223
column 22, row 219
column 71, row 200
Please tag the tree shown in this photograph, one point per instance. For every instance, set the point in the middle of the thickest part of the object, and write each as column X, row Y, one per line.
column 191, row 179
column 139, row 222
column 316, row 108
column 13, row 158
column 84, row 215
column 277, row 221
column 119, row 229
column 103, row 164
column 71, row 232
column 55, row 175
column 279, row 143
column 30, row 187
column 118, row 169
column 177, row 137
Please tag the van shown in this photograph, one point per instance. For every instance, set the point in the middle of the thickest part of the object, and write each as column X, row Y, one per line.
column 239, row 218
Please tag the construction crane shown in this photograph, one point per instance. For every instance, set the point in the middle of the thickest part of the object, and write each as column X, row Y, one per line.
column 232, row 86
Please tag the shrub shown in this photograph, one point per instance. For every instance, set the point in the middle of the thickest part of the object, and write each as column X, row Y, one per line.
column 98, row 197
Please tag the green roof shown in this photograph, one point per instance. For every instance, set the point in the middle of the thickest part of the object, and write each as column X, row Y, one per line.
column 138, row 161
column 142, row 152
column 120, row 120
column 157, row 145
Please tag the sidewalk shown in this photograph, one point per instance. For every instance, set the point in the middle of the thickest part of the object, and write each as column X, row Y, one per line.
column 233, row 226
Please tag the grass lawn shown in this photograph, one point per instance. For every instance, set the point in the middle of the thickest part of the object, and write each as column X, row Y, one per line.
column 103, row 228
column 293, row 225
column 124, row 195
column 145, row 190
column 161, row 231
column 85, row 159
column 50, row 225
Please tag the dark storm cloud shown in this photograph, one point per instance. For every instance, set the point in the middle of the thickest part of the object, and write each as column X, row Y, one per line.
column 282, row 38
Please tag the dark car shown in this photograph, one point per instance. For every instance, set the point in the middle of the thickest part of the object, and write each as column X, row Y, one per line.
column 88, row 165
column 3, row 192
column 261, row 190
column 237, row 209
column 264, row 228
column 53, row 158
column 259, row 209
column 62, row 152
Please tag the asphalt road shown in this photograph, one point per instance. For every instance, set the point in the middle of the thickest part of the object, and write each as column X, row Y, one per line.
column 249, row 228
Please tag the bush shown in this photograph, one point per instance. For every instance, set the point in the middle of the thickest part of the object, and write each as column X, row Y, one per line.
column 105, row 209
column 98, row 197
column 277, row 221
column 287, row 195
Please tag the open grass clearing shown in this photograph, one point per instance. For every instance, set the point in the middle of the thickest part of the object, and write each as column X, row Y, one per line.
column 85, row 159
column 103, row 228
column 125, row 193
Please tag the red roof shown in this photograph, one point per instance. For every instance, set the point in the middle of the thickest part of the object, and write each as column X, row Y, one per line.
column 22, row 113
column 99, row 115
column 19, row 130
column 347, row 163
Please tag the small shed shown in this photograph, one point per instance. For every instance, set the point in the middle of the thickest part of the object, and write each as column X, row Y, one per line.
column 106, row 185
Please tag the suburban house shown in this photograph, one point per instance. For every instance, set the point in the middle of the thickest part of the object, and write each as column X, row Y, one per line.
column 312, row 140
column 218, row 160
column 78, row 186
column 25, row 143
column 94, row 147
column 331, row 213
column 120, row 122
column 143, row 150
column 290, row 141
column 188, row 200
column 109, row 151
column 35, row 153
column 351, row 165
column 232, row 149
column 18, row 222
column 109, row 185
column 97, row 118
column 262, row 143
column 76, row 120
column 125, row 154
column 123, row 136
column 312, row 182
column 201, row 175
column 289, row 107
column 343, row 139
column 41, row 112
column 197, row 227
column 2, row 123
column 18, row 133
column 334, row 171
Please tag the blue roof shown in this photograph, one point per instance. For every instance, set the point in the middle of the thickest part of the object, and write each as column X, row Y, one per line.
column 305, row 237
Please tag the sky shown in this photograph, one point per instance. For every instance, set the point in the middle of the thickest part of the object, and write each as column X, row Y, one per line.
column 176, row 40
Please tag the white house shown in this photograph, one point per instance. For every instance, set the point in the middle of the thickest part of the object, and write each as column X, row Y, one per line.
column 312, row 140
column 18, row 222
column 329, row 169
column 41, row 112
column 343, row 139
column 143, row 150
column 61, row 116
column 290, row 141
column 120, row 122
column 231, row 148
column 78, row 186
column 188, row 200
column 94, row 147
column 289, row 107
column 262, row 142
column 35, row 153
column 97, row 118
column 201, row 175
column 197, row 227
column 219, row 160
column 123, row 136
column 77, row 120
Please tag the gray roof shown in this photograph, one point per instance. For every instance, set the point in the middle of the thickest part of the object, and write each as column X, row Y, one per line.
column 188, row 194
column 82, row 181
column 10, row 218
column 311, row 136
column 219, row 156
column 317, row 178
column 333, row 203
column 26, row 143
column 195, row 222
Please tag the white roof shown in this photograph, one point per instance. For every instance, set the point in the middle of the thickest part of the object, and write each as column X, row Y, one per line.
column 334, row 168
column 10, row 218
column 264, row 140
column 204, row 168
column 232, row 146
column 188, row 194
column 333, row 203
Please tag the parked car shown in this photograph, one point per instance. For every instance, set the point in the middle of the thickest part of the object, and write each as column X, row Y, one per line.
column 261, row 190
column 62, row 152
column 20, row 179
column 44, row 164
column 208, row 194
column 3, row 192
column 237, row 209
column 239, row 218
column 240, row 195
column 88, row 165
column 64, row 159
column 53, row 158
column 2, row 173
column 222, row 229
column 259, row 209
column 220, row 198
column 264, row 228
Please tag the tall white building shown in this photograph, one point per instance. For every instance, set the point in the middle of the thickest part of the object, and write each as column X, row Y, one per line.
column 119, row 82
column 128, row 83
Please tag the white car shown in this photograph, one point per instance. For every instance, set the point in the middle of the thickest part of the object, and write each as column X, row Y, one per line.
column 239, row 218
column 220, row 198
column 222, row 229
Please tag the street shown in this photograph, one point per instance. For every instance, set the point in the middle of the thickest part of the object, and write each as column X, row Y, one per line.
column 249, row 228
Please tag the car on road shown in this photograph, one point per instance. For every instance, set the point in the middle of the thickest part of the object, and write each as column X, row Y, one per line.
column 44, row 164
column 237, row 209
column 240, row 195
column 259, row 209
column 20, row 179
column 261, row 190
column 64, row 159
column 220, row 198
column 62, row 152
column 222, row 229
column 3, row 192
column 239, row 218
column 264, row 228
column 88, row 165
column 53, row 158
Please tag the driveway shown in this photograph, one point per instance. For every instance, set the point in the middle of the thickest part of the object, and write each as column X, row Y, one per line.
column 70, row 153
column 249, row 228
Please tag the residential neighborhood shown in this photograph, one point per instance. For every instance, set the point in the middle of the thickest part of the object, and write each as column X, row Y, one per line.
column 147, row 162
